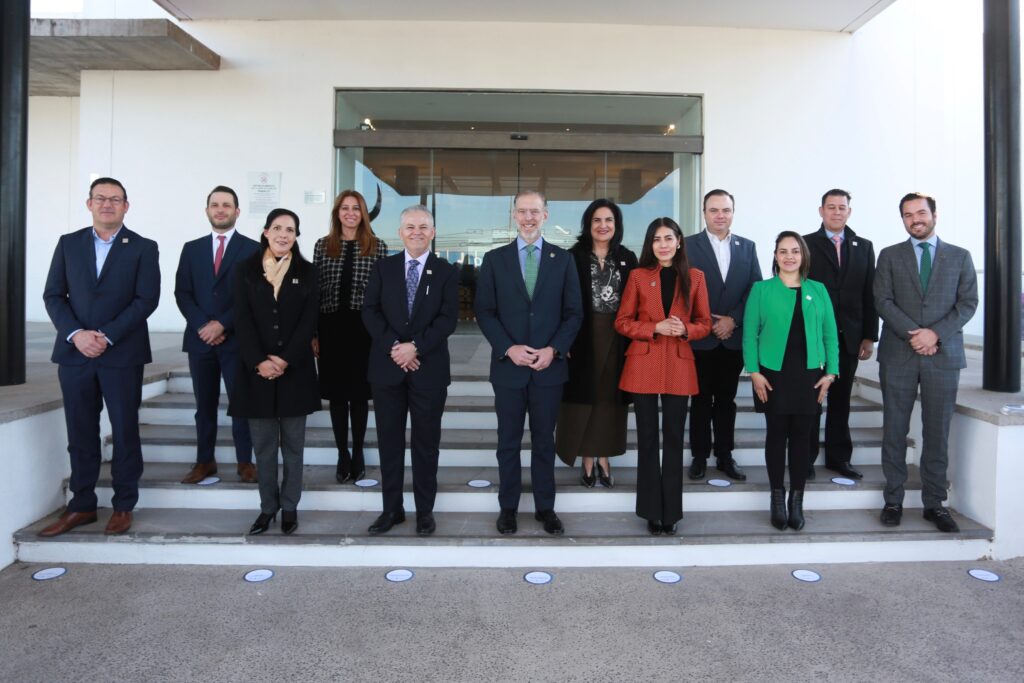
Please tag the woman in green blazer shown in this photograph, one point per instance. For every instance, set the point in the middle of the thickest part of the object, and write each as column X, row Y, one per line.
column 792, row 355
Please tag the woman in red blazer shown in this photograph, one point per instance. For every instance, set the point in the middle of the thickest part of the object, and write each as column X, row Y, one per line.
column 664, row 307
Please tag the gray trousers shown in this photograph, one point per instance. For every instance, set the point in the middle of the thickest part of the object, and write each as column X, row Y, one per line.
column 268, row 433
column 938, row 399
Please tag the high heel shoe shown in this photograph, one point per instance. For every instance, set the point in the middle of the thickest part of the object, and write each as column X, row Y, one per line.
column 606, row 478
column 588, row 480
column 262, row 523
column 655, row 528
column 796, row 509
column 778, row 509
column 343, row 473
column 358, row 465
column 289, row 521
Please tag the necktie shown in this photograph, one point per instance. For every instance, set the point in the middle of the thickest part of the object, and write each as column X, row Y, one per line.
column 926, row 264
column 219, row 256
column 412, row 280
column 839, row 248
column 530, row 274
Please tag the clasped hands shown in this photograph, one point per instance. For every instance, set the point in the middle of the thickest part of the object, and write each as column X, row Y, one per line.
column 272, row 368
column 529, row 357
column 212, row 333
column 90, row 343
column 924, row 341
column 405, row 356
column 671, row 327
column 723, row 326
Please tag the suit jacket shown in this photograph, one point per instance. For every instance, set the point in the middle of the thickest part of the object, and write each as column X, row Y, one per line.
column 507, row 315
column 435, row 314
column 203, row 296
column 728, row 297
column 951, row 300
column 849, row 284
column 282, row 327
column 656, row 364
column 116, row 302
column 769, row 316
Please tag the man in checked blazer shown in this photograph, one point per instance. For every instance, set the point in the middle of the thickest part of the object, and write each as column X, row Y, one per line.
column 925, row 290
column 104, row 282
column 529, row 308
column 410, row 308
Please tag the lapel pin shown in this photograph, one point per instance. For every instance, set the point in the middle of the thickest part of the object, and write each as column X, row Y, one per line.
column 430, row 272
column 736, row 243
column 295, row 281
column 552, row 254
column 622, row 263
column 854, row 242
column 653, row 284
column 124, row 240
column 808, row 297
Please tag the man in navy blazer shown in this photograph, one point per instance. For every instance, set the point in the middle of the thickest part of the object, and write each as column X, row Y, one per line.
column 730, row 267
column 104, row 281
column 410, row 308
column 528, row 306
column 202, row 288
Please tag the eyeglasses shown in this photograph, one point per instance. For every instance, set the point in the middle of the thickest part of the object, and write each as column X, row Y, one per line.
column 101, row 200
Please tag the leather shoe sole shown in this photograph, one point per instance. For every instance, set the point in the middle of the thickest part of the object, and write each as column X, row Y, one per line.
column 120, row 522
column 67, row 522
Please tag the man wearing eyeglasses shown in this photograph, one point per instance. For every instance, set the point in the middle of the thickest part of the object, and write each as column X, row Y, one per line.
column 104, row 282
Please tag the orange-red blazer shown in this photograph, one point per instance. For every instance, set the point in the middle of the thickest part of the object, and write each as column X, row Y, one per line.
column 656, row 364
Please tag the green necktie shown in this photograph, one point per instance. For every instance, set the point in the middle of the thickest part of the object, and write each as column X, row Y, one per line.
column 530, row 274
column 926, row 264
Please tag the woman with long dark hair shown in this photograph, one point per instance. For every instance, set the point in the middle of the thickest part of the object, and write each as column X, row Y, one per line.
column 275, row 302
column 664, row 307
column 792, row 354
column 344, row 258
column 592, row 419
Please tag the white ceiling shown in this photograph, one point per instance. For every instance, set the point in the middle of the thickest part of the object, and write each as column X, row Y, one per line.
column 809, row 15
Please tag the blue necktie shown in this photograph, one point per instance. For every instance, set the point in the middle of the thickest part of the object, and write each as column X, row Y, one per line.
column 412, row 280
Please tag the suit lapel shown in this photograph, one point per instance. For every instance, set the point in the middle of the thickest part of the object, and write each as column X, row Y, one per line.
column 828, row 247
column 655, row 309
column 421, row 288
column 511, row 256
column 909, row 259
column 714, row 275
column 230, row 253
column 547, row 255
column 121, row 242
column 89, row 251
column 939, row 264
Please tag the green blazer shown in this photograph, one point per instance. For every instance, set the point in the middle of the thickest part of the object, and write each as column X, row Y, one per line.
column 766, row 326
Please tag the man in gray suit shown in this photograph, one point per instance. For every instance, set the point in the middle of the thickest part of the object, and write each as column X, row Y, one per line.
column 925, row 291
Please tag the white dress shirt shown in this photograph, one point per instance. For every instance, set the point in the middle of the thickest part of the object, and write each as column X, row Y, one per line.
column 722, row 251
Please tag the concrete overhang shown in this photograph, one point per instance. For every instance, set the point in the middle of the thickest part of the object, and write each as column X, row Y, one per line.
column 60, row 49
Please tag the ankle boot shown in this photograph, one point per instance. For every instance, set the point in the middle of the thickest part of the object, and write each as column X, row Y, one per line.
column 796, row 509
column 778, row 508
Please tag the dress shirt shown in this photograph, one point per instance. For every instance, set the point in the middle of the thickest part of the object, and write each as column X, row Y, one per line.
column 422, row 258
column 933, row 240
column 521, row 246
column 102, row 248
column 227, row 239
column 723, row 253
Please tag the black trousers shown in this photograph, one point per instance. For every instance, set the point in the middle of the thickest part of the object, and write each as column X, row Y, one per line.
column 792, row 433
column 392, row 404
column 512, row 406
column 206, row 370
column 714, row 408
column 838, row 443
column 659, row 476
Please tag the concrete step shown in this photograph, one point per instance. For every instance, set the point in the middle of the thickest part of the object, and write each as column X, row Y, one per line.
column 468, row 539
column 459, row 447
column 461, row 412
column 160, row 487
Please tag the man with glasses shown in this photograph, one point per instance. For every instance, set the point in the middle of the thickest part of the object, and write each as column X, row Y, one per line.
column 529, row 308
column 104, row 282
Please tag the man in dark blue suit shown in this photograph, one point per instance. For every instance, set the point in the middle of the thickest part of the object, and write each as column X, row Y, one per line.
column 104, row 281
column 202, row 289
column 410, row 308
column 730, row 267
column 529, row 308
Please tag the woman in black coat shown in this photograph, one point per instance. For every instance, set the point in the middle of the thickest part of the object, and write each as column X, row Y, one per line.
column 592, row 419
column 276, row 304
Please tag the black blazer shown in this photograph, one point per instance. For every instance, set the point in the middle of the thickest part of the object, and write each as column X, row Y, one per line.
column 284, row 328
column 580, row 388
column 850, row 286
column 203, row 296
column 117, row 302
column 435, row 314
column 728, row 297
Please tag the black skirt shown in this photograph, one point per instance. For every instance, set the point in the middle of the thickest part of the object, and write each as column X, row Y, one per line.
column 793, row 391
column 344, row 356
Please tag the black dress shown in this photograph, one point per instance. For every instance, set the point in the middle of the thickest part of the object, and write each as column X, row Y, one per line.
column 793, row 391
column 344, row 342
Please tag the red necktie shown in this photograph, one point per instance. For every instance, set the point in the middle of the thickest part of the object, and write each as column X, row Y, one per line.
column 219, row 256
column 839, row 248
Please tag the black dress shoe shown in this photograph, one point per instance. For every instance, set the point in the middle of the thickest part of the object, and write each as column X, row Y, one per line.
column 654, row 527
column 588, row 480
column 731, row 470
column 289, row 521
column 669, row 529
column 384, row 523
column 606, row 478
column 698, row 468
column 892, row 514
column 262, row 523
column 845, row 469
column 552, row 524
column 507, row 521
column 942, row 519
column 811, row 474
column 425, row 524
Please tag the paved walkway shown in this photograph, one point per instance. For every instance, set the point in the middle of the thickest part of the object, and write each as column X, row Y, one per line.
column 872, row 622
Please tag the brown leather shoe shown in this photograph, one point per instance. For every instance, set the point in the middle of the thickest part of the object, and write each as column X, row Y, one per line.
column 119, row 523
column 67, row 522
column 200, row 471
column 247, row 472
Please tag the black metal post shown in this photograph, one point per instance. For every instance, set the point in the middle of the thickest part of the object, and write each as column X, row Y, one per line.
column 1001, row 364
column 14, row 37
